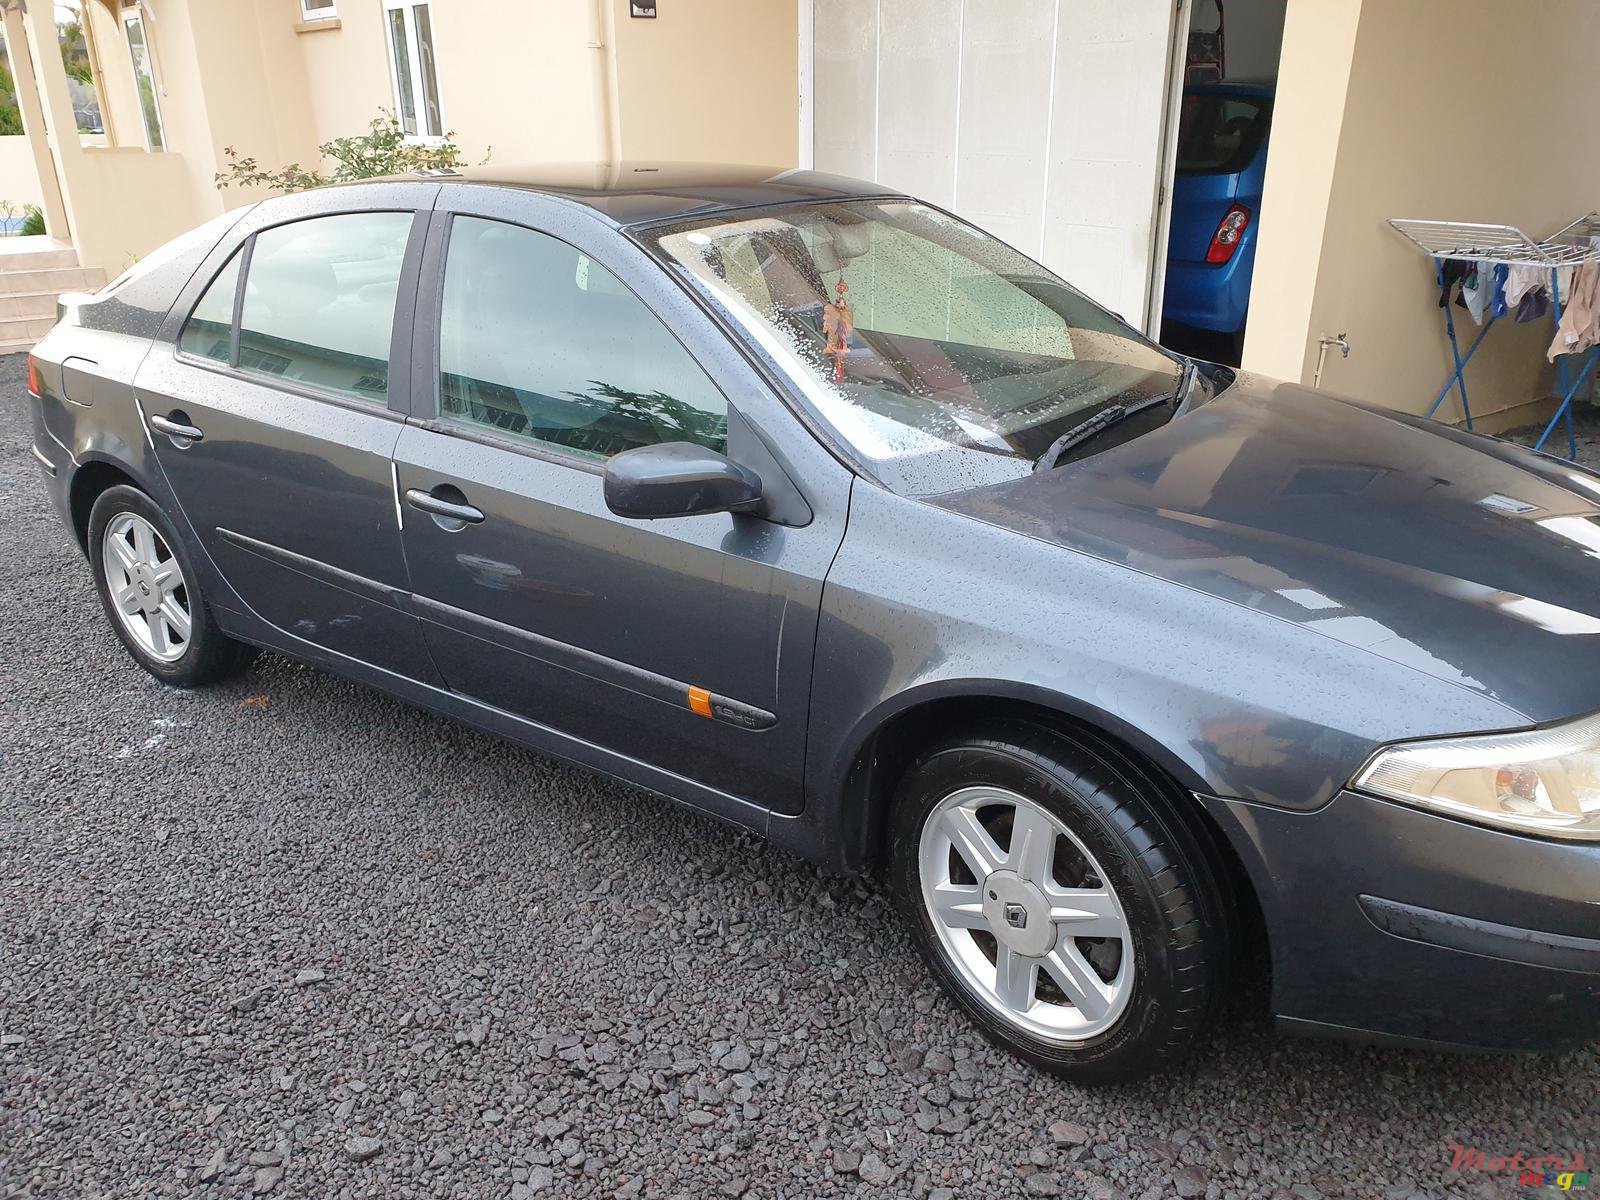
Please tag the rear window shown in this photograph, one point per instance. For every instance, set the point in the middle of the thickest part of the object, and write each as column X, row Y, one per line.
column 1219, row 134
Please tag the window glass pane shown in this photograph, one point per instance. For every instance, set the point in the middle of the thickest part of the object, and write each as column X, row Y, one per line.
column 1218, row 135
column 145, row 78
column 10, row 114
column 207, row 330
column 319, row 302
column 317, row 9
column 541, row 342
column 433, row 122
column 400, row 45
column 937, row 351
column 82, row 87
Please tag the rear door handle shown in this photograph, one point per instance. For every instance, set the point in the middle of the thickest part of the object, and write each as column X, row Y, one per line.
column 429, row 503
column 176, row 429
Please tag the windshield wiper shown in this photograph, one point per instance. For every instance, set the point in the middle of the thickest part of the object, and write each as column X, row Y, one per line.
column 1112, row 414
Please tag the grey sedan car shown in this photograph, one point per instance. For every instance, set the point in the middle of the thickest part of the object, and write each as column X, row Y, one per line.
column 814, row 508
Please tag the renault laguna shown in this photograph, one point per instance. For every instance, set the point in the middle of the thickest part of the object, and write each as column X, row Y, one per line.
column 810, row 506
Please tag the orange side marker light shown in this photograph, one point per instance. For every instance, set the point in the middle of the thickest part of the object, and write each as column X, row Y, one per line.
column 700, row 701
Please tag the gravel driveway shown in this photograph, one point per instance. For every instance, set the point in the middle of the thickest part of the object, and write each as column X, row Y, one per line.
column 288, row 936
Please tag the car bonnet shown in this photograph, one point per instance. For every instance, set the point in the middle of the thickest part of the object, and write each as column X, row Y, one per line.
column 1467, row 558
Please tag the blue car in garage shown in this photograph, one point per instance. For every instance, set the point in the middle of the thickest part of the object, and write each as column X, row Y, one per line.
column 1216, row 203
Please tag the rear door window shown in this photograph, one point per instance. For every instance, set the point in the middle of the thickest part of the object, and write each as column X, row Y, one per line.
column 319, row 302
column 209, row 330
column 1219, row 134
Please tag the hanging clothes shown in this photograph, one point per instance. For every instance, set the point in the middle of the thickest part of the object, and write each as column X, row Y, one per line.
column 1533, row 306
column 1451, row 272
column 1580, row 316
column 1497, row 292
column 1522, row 279
column 1475, row 291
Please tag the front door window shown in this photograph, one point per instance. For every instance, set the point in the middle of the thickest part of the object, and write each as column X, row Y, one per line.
column 539, row 341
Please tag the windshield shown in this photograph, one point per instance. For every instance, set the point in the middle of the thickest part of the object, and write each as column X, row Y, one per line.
column 942, row 356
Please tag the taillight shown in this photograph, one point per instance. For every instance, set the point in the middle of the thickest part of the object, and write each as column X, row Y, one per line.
column 33, row 376
column 1229, row 230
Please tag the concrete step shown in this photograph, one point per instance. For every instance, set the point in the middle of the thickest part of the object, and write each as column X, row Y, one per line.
column 27, row 304
column 55, row 280
column 39, row 260
column 17, row 347
column 19, row 329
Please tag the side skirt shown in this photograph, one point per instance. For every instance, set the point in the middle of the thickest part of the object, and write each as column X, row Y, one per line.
column 735, row 811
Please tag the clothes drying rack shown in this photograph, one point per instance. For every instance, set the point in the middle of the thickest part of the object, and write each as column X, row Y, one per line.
column 1506, row 245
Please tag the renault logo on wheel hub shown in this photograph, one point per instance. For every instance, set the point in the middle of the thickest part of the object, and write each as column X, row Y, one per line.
column 1016, row 916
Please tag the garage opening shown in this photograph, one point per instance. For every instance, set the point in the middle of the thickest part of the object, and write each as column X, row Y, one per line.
column 1041, row 121
column 1222, row 138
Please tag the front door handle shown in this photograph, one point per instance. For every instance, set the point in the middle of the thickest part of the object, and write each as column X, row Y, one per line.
column 440, row 507
column 177, row 429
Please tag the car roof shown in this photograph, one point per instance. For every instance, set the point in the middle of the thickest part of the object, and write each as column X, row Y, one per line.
column 640, row 193
column 1233, row 87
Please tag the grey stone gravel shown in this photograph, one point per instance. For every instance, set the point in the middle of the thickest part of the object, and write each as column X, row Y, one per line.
column 653, row 1004
column 360, row 1149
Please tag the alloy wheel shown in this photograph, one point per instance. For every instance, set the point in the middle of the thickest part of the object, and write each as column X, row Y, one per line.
column 147, row 587
column 1025, row 914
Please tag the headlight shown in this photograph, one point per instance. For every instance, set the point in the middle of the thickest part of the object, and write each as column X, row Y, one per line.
column 1544, row 781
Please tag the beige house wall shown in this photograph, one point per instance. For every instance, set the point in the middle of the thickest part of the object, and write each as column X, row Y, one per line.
column 710, row 80
column 574, row 80
column 516, row 80
column 1449, row 109
column 19, row 181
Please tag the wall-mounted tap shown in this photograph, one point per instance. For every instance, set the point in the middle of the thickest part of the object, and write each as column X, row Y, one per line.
column 1326, row 340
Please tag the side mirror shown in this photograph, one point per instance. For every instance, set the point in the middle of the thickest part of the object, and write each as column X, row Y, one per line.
column 678, row 479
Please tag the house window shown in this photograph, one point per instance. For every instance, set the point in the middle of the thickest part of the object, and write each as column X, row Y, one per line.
column 318, row 10
column 416, row 79
column 10, row 113
column 75, row 36
column 144, row 77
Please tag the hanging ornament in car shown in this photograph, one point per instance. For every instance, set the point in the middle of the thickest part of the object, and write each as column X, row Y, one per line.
column 837, row 325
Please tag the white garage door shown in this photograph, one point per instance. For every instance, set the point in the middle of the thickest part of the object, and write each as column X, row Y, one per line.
column 1039, row 120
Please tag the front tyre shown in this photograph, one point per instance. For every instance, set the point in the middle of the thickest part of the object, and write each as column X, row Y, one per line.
column 1061, row 901
column 151, row 594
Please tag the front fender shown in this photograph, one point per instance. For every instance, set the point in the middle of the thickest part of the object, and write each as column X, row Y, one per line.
column 923, row 604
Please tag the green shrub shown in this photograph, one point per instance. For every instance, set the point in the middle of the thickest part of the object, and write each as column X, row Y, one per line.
column 32, row 221
column 382, row 150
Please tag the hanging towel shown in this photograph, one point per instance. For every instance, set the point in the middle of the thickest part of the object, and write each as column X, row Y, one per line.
column 1580, row 315
column 1497, row 292
column 1475, row 289
column 1521, row 280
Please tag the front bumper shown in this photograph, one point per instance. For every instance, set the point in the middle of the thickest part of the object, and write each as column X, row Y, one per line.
column 1392, row 923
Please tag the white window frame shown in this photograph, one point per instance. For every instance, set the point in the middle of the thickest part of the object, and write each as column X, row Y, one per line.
column 130, row 14
column 408, row 11
column 328, row 12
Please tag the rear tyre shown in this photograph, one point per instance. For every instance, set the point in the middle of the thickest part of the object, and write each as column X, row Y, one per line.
column 1061, row 901
column 151, row 593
